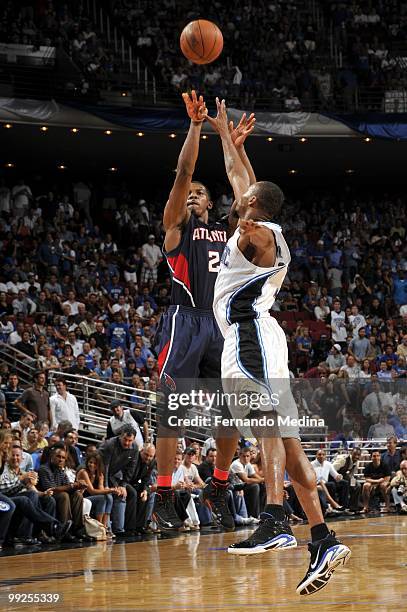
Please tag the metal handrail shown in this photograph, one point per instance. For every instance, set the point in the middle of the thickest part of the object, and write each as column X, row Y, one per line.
column 19, row 362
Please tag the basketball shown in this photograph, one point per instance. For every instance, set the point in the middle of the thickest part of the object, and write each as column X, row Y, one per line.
column 201, row 41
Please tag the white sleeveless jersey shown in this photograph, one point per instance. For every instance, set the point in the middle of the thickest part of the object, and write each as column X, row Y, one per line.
column 244, row 291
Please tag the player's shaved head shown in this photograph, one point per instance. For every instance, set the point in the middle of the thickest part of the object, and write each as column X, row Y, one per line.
column 269, row 197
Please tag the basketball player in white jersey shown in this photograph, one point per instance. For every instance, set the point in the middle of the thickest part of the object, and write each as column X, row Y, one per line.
column 255, row 358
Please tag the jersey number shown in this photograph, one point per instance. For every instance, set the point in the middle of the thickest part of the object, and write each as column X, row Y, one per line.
column 214, row 261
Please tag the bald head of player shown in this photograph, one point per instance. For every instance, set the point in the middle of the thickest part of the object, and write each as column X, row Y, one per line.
column 199, row 201
column 261, row 202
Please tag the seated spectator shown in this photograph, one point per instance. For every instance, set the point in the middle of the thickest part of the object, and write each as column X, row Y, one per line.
column 25, row 502
column 377, row 478
column 207, row 467
column 398, row 489
column 244, row 475
column 323, row 470
column 391, row 458
column 191, row 474
column 48, row 361
column 381, row 430
column 335, row 359
column 104, row 371
column 68, row 495
column 73, row 453
column 25, row 346
column 182, row 492
column 347, row 465
column 96, row 492
column 351, row 370
column 126, row 417
column 23, row 426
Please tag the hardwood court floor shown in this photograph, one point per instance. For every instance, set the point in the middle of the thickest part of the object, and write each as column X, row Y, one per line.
column 194, row 572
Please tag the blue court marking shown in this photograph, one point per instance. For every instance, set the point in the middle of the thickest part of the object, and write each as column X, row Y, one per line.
column 387, row 602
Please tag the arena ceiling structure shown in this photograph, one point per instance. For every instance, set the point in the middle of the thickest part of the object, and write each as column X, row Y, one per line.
column 145, row 144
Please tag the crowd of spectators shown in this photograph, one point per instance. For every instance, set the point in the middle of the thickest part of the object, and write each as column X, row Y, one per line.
column 49, row 487
column 82, row 289
column 277, row 55
column 64, row 25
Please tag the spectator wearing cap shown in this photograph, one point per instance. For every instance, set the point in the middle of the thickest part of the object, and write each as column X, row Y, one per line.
column 122, row 417
column 35, row 399
column 335, row 359
column 64, row 405
column 152, row 257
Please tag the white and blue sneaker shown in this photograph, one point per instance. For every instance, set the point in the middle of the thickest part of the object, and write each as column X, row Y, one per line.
column 326, row 556
column 270, row 535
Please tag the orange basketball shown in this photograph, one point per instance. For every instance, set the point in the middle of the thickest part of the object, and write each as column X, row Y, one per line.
column 201, row 41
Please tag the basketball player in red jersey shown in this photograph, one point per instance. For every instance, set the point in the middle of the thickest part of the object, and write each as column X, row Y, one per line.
column 190, row 343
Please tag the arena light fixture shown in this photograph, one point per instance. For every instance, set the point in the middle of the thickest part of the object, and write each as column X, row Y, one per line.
column 74, row 130
column 140, row 134
column 270, row 139
column 108, row 132
column 8, row 126
column 10, row 165
column 44, row 128
column 113, row 169
column 302, row 139
column 61, row 167
column 367, row 139
column 293, row 171
column 173, row 135
column 124, row 94
column 204, row 137
column 349, row 171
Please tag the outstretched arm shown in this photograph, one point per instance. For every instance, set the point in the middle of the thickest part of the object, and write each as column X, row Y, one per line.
column 176, row 213
column 239, row 135
column 235, row 168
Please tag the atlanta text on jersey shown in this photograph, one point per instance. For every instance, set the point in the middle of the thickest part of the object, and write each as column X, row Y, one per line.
column 203, row 233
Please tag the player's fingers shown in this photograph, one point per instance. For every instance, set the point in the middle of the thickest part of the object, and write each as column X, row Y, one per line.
column 231, row 126
column 193, row 95
column 201, row 99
